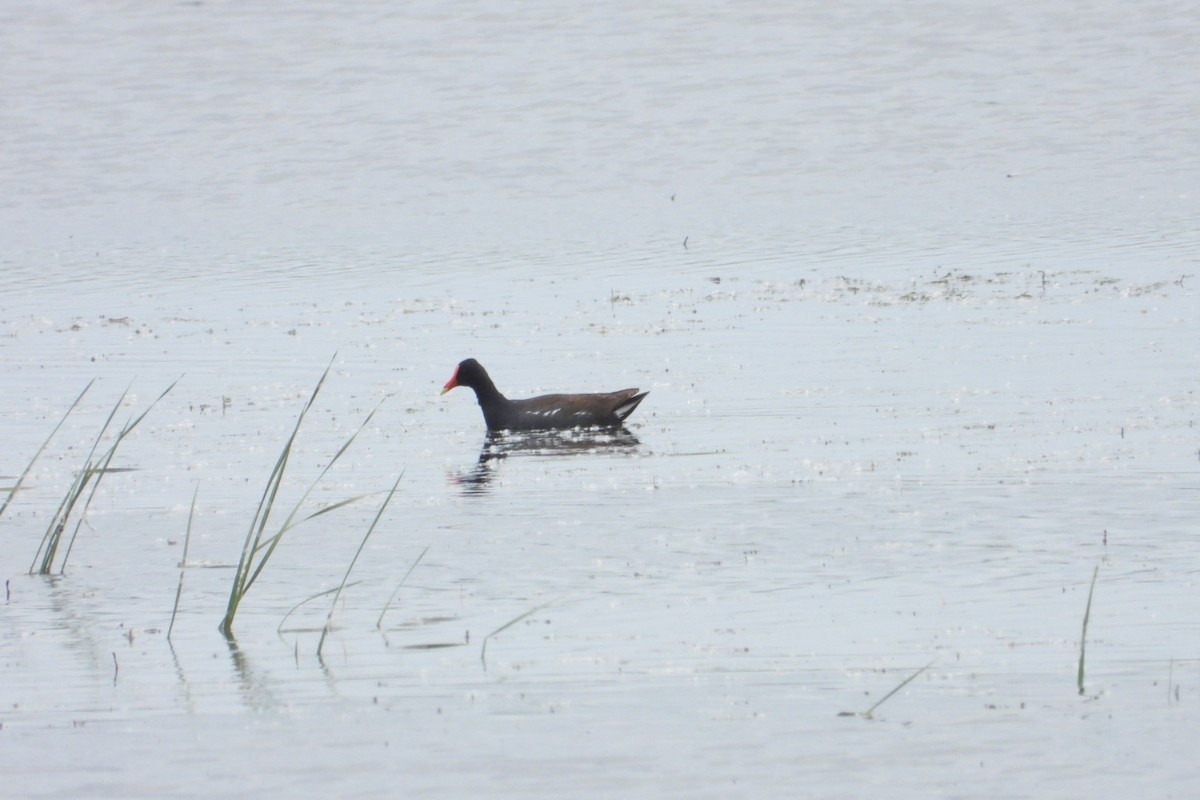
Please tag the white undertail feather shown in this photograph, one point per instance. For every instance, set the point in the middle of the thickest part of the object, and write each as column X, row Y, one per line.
column 625, row 409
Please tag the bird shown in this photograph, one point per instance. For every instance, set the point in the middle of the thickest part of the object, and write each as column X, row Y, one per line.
column 546, row 412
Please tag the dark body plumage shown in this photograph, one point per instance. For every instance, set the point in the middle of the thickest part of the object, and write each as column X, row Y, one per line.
column 547, row 412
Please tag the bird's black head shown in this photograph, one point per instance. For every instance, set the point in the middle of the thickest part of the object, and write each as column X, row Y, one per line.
column 469, row 373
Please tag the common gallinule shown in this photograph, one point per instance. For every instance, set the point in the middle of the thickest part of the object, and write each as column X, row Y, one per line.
column 547, row 412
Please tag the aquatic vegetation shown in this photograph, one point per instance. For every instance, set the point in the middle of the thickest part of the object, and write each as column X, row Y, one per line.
column 399, row 586
column 259, row 546
column 280, row 630
column 21, row 478
column 90, row 474
column 379, row 514
column 1087, row 613
column 870, row 712
column 187, row 540
column 506, row 626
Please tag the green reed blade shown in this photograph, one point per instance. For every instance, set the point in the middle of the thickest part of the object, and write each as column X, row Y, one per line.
column 869, row 713
column 258, row 546
column 1087, row 613
column 187, row 540
column 506, row 626
column 105, row 468
column 411, row 567
column 243, row 576
column 354, row 560
column 21, row 479
column 58, row 522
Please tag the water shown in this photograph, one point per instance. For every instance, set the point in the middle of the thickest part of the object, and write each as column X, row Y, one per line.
column 913, row 293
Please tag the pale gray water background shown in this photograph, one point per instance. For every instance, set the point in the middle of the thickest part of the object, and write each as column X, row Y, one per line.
column 928, row 357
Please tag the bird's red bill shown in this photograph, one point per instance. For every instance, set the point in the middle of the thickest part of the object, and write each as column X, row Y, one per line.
column 450, row 384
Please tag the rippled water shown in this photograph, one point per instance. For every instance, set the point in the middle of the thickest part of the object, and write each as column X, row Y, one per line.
column 913, row 293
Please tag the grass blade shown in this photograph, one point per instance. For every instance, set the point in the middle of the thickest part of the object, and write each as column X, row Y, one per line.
column 279, row 629
column 379, row 622
column 273, row 541
column 20, row 479
column 48, row 549
column 353, row 561
column 243, row 576
column 187, row 540
column 506, row 626
column 259, row 547
column 105, row 468
column 52, row 536
column 1087, row 613
column 90, row 473
column 870, row 712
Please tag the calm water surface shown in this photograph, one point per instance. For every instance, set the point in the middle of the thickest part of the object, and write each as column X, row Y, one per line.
column 914, row 295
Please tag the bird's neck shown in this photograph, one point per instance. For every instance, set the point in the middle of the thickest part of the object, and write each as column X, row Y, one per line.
column 486, row 392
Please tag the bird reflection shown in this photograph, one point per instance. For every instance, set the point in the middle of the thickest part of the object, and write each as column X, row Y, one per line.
column 499, row 445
